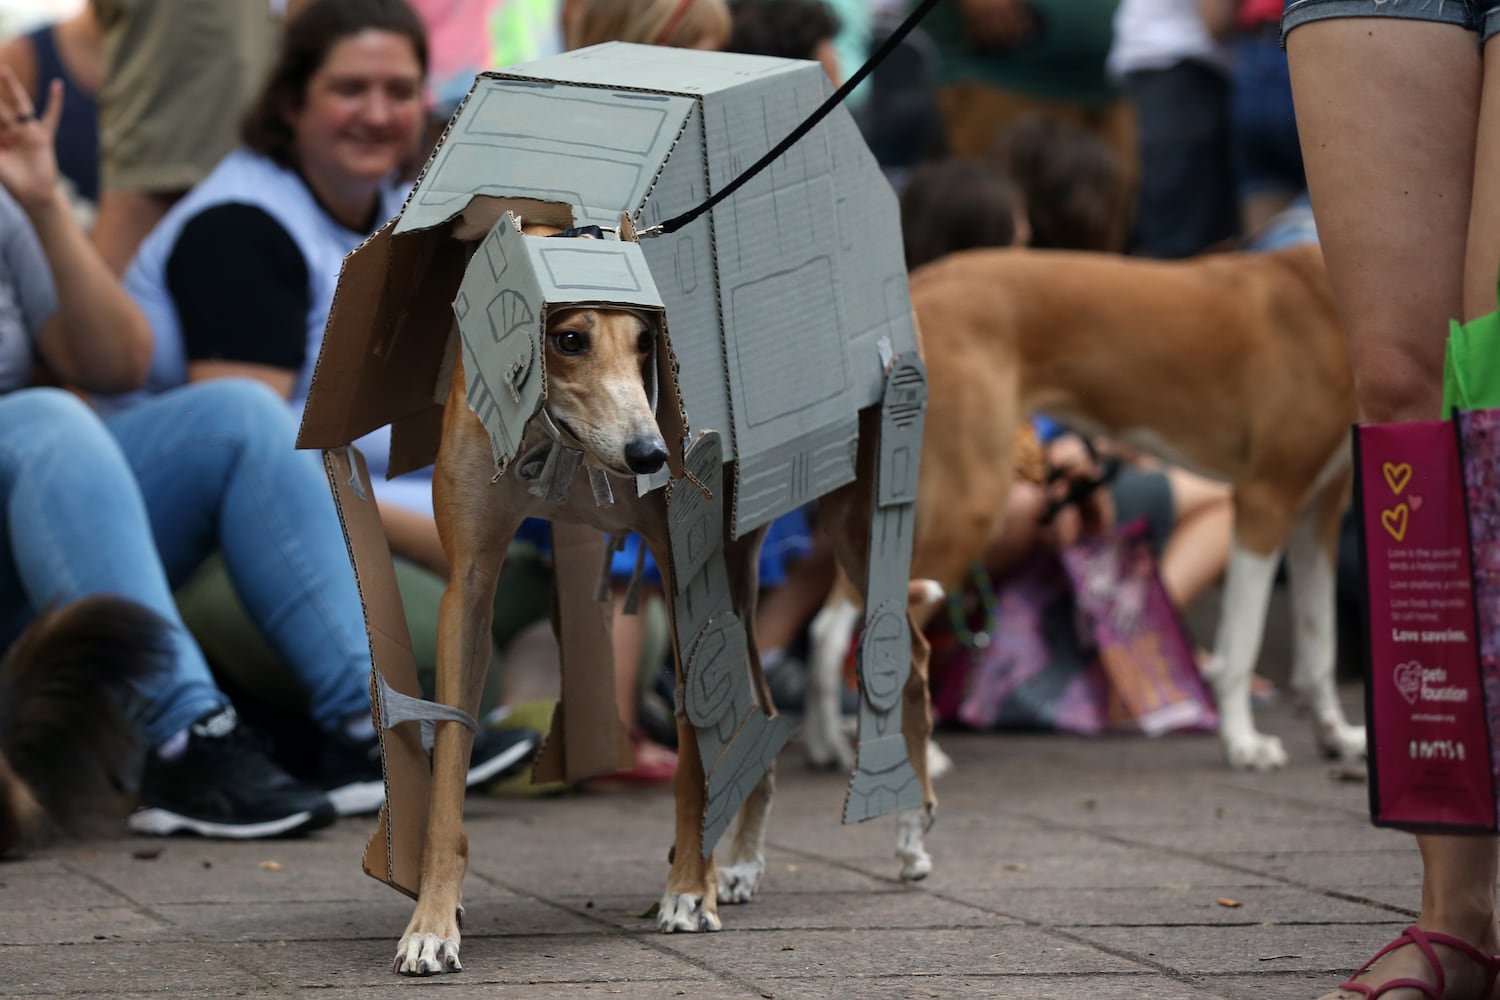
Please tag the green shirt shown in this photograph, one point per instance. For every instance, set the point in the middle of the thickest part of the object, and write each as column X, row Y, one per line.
column 1064, row 61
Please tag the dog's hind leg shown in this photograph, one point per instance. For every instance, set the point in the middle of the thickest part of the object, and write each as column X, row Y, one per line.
column 1311, row 555
column 739, row 880
column 916, row 726
column 1259, row 530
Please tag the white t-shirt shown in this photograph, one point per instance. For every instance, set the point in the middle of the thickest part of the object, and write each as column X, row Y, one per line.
column 1159, row 34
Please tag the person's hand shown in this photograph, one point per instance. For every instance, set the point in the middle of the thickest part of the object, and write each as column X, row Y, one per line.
column 997, row 24
column 28, row 161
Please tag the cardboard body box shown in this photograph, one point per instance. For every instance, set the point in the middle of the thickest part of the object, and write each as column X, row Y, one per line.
column 787, row 303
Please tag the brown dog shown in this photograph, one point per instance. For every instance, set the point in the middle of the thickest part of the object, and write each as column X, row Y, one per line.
column 1233, row 365
column 597, row 398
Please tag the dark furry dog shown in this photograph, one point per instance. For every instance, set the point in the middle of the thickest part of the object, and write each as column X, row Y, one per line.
column 64, row 738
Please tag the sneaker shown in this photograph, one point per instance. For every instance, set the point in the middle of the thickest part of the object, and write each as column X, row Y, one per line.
column 355, row 780
column 224, row 785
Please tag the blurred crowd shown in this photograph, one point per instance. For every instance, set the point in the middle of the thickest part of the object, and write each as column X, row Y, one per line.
column 181, row 180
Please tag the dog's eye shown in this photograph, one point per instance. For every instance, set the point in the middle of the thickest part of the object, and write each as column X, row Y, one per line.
column 570, row 341
column 645, row 343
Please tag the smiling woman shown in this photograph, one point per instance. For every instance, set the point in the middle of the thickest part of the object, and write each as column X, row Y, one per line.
column 239, row 276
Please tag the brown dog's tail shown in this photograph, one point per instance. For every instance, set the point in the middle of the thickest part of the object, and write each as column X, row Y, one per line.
column 64, row 737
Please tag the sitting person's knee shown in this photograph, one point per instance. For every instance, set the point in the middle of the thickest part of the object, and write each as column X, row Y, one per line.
column 52, row 418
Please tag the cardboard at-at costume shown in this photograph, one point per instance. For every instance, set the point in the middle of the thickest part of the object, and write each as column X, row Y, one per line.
column 788, row 315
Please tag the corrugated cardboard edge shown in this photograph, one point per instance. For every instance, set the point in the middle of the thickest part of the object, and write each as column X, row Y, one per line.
column 407, row 772
column 596, row 743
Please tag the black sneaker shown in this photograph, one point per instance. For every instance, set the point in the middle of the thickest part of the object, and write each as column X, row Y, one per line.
column 355, row 781
column 224, row 785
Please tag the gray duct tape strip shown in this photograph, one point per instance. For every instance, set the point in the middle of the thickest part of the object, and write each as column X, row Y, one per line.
column 396, row 708
column 604, row 496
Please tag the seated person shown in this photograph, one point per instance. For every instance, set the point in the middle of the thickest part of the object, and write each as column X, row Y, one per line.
column 238, row 278
column 194, row 470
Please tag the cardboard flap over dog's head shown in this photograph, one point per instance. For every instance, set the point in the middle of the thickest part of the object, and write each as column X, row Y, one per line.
column 513, row 284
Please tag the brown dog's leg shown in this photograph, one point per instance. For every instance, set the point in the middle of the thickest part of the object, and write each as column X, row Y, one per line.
column 740, row 879
column 475, row 528
column 690, row 901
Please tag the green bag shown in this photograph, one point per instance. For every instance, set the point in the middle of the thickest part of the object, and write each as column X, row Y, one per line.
column 1471, row 365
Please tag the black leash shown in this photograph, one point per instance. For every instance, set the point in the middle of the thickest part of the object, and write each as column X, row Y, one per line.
column 837, row 97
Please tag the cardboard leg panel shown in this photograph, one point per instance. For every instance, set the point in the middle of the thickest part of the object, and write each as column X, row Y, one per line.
column 884, row 780
column 587, row 737
column 394, row 853
column 737, row 741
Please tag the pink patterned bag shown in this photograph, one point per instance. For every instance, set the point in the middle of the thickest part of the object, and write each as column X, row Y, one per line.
column 1429, row 513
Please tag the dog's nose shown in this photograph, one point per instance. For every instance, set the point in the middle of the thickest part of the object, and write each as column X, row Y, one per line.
column 645, row 454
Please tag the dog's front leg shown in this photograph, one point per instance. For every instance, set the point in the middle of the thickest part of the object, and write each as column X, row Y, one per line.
column 1247, row 595
column 477, row 519
column 430, row 942
column 691, row 900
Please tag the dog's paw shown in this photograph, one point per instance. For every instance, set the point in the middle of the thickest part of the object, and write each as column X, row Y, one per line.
column 1256, row 752
column 1343, row 743
column 686, row 913
column 911, row 826
column 739, row 882
column 427, row 955
column 430, row 951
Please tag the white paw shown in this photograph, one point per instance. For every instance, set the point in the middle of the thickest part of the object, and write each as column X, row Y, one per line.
column 739, row 882
column 686, row 913
column 1255, row 752
column 938, row 762
column 1343, row 742
column 911, row 826
column 427, row 955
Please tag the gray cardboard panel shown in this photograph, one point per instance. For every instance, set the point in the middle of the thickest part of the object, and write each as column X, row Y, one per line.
column 683, row 265
column 595, row 150
column 775, row 481
column 577, row 271
column 499, row 309
column 654, row 68
column 884, row 779
column 901, row 421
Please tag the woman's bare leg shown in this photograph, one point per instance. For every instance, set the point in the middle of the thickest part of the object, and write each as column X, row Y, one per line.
column 1389, row 112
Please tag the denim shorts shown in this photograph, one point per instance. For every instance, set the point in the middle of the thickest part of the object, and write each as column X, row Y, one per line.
column 1482, row 16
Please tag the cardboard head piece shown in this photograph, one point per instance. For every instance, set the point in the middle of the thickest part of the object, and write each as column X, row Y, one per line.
column 512, row 282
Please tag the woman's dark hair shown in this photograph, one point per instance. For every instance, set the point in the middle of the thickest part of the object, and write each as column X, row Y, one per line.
column 1074, row 183
column 306, row 41
column 790, row 29
column 957, row 204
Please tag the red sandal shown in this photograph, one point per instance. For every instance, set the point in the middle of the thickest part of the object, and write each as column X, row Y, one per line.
column 1424, row 940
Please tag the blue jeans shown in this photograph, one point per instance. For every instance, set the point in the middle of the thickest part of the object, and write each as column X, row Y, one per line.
column 134, row 505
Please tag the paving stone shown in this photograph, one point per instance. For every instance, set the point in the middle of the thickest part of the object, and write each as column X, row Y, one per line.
column 1190, row 905
column 764, row 955
column 1275, row 948
column 913, row 909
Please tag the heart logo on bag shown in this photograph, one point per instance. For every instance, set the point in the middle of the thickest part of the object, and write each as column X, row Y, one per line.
column 1394, row 521
column 1409, row 681
column 1396, row 476
column 1414, row 502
